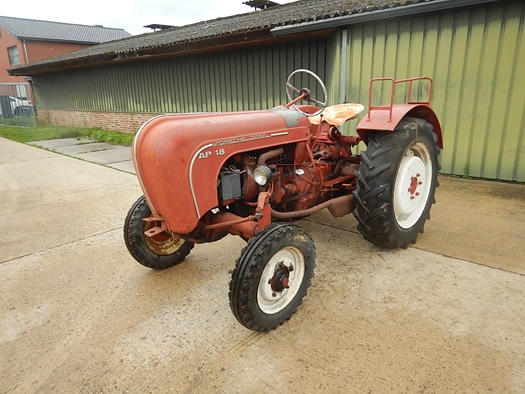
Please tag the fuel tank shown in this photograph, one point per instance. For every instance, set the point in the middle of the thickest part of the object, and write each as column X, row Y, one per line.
column 177, row 157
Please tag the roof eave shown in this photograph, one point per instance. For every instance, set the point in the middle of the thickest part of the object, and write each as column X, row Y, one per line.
column 43, row 39
column 411, row 9
column 176, row 49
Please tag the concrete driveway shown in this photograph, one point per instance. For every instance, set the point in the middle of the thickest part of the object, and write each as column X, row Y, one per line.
column 79, row 315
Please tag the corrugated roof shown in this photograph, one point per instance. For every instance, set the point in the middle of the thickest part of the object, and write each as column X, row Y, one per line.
column 254, row 21
column 30, row 29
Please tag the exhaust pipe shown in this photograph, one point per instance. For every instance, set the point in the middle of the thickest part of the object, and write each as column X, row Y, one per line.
column 338, row 207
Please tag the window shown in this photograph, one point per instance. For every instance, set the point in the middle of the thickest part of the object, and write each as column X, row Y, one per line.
column 14, row 59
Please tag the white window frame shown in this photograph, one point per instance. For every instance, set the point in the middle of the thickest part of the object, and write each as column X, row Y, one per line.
column 14, row 57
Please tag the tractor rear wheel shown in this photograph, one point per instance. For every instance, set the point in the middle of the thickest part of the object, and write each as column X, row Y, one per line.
column 272, row 276
column 397, row 183
column 161, row 251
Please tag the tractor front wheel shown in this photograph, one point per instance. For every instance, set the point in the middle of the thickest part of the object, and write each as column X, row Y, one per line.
column 272, row 276
column 397, row 183
column 161, row 251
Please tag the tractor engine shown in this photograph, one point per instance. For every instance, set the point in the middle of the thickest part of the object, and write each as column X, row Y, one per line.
column 298, row 176
column 334, row 148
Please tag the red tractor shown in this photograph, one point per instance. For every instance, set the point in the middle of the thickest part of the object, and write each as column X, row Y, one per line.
column 253, row 173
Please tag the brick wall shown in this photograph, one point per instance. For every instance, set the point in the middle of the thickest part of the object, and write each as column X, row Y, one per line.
column 6, row 41
column 120, row 121
column 30, row 51
column 38, row 50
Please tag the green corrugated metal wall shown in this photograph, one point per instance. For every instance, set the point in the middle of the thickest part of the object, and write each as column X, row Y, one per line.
column 228, row 81
column 477, row 60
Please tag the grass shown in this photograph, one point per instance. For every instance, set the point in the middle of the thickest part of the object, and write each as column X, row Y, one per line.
column 113, row 137
column 20, row 121
column 41, row 133
column 466, row 171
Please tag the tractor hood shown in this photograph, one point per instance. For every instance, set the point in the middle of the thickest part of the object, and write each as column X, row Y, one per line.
column 177, row 157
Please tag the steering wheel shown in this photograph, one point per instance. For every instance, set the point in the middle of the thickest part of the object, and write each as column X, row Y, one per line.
column 309, row 98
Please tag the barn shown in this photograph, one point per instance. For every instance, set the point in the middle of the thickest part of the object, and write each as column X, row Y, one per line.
column 474, row 50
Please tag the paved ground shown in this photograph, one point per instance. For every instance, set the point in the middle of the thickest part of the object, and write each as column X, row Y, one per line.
column 77, row 314
column 114, row 156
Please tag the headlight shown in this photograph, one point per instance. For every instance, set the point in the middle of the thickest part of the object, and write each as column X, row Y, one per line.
column 262, row 175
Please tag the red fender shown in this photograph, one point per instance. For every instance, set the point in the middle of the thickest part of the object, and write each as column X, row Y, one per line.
column 384, row 120
column 177, row 157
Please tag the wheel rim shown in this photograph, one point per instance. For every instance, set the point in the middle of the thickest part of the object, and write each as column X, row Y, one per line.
column 413, row 184
column 281, row 280
column 162, row 244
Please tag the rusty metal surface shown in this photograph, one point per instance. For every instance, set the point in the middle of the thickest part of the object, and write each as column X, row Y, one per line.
column 386, row 116
column 178, row 157
column 383, row 121
column 393, row 84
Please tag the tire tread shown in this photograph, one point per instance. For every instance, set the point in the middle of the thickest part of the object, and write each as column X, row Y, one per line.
column 134, row 240
column 248, row 269
column 374, row 193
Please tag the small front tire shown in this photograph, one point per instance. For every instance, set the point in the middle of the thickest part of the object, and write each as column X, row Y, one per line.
column 159, row 252
column 271, row 276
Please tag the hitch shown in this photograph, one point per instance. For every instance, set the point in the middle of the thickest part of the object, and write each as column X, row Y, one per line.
column 157, row 229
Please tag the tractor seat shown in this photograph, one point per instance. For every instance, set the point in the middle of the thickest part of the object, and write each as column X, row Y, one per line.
column 336, row 115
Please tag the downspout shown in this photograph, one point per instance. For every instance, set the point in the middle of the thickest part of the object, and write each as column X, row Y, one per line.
column 342, row 84
column 25, row 51
column 344, row 54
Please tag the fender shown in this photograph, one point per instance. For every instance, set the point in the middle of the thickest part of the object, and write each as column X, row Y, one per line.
column 178, row 157
column 388, row 117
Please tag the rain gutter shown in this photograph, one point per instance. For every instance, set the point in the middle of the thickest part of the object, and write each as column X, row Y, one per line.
column 411, row 9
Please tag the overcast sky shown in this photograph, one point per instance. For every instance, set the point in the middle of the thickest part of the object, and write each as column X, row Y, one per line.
column 130, row 15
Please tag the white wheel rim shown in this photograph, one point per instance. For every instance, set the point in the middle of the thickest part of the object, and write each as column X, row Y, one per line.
column 271, row 301
column 412, row 187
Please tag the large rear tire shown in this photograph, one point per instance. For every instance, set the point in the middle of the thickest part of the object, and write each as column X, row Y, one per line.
column 159, row 252
column 397, row 183
column 272, row 276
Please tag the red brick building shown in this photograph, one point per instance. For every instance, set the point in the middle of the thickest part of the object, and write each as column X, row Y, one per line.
column 24, row 41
